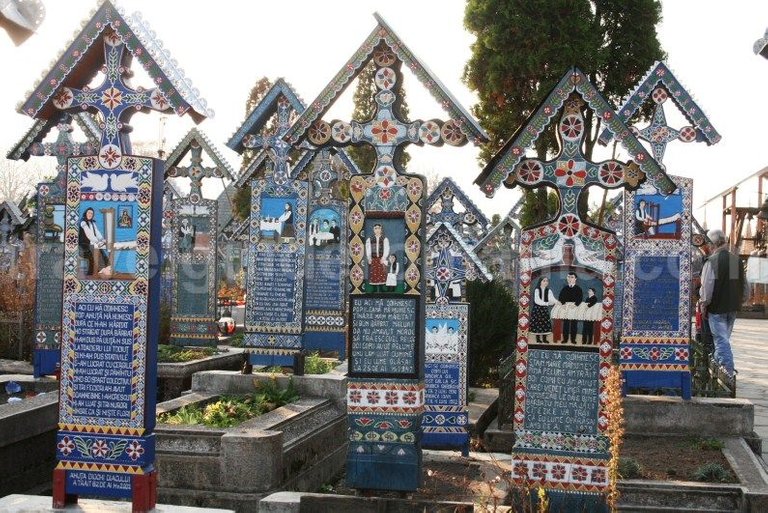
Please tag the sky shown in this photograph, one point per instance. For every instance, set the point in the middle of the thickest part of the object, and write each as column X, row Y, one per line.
column 225, row 47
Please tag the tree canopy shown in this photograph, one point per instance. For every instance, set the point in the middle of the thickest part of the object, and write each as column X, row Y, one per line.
column 524, row 47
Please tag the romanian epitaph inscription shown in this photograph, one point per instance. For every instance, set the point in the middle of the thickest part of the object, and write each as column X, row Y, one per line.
column 193, row 290
column 103, row 349
column 562, row 391
column 49, row 285
column 383, row 336
column 275, row 287
column 324, row 289
column 657, row 293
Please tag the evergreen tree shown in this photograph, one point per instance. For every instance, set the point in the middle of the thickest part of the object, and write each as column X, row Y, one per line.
column 524, row 47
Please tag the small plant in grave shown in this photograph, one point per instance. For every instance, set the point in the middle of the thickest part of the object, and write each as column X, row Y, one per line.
column 230, row 411
column 313, row 364
column 174, row 354
column 629, row 468
column 706, row 444
column 713, row 473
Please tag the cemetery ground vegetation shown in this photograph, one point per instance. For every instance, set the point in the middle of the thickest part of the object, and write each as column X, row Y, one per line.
column 314, row 364
column 175, row 354
column 493, row 311
column 230, row 411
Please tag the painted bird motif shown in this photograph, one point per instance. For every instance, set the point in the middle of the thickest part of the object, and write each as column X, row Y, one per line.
column 123, row 182
column 94, row 181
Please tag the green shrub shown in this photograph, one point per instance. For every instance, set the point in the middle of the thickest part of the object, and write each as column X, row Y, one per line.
column 707, row 444
column 313, row 364
column 492, row 328
column 630, row 468
column 712, row 473
column 232, row 410
column 174, row 354
column 236, row 340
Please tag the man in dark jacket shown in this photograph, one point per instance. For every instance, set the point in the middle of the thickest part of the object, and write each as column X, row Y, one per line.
column 723, row 288
column 571, row 293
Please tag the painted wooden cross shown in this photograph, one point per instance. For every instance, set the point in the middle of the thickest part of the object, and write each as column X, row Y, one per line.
column 113, row 100
column 63, row 148
column 386, row 247
column 655, row 352
column 112, row 232
column 196, row 171
column 566, row 289
column 274, row 141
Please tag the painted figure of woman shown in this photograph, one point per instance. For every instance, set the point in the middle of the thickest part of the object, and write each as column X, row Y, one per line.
column 377, row 253
column 541, row 321
column 393, row 268
column 89, row 240
column 287, row 231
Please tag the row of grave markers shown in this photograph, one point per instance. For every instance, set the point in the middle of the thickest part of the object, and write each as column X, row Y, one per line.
column 110, row 283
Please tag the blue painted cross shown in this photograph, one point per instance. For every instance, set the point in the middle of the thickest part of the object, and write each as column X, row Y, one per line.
column 273, row 141
column 658, row 133
column 62, row 149
column 113, row 100
column 196, row 172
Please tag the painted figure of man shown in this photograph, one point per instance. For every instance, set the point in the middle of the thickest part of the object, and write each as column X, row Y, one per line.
column 723, row 289
column 377, row 252
column 570, row 294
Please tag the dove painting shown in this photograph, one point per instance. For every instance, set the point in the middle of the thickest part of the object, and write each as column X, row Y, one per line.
column 94, row 182
column 123, row 182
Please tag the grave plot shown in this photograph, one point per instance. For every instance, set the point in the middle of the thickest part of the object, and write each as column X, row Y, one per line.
column 105, row 444
column 194, row 236
column 386, row 219
column 50, row 226
column 567, row 276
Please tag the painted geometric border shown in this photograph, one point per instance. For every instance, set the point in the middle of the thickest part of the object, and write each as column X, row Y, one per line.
column 609, row 242
column 178, row 260
column 113, row 292
column 580, row 474
column 296, row 248
column 414, row 230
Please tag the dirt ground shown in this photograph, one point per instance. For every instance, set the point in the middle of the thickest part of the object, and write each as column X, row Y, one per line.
column 482, row 479
column 672, row 458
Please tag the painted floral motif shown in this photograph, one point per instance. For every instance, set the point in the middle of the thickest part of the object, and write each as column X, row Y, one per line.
column 66, row 446
column 429, row 132
column 134, row 450
column 452, row 134
column 385, row 78
column 521, row 468
column 342, row 132
column 539, row 471
column 558, row 472
column 571, row 173
column 611, row 173
column 112, row 97
column 384, row 132
column 571, row 127
column 659, row 95
column 319, row 133
column 579, row 474
column 569, row 225
column 529, row 171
